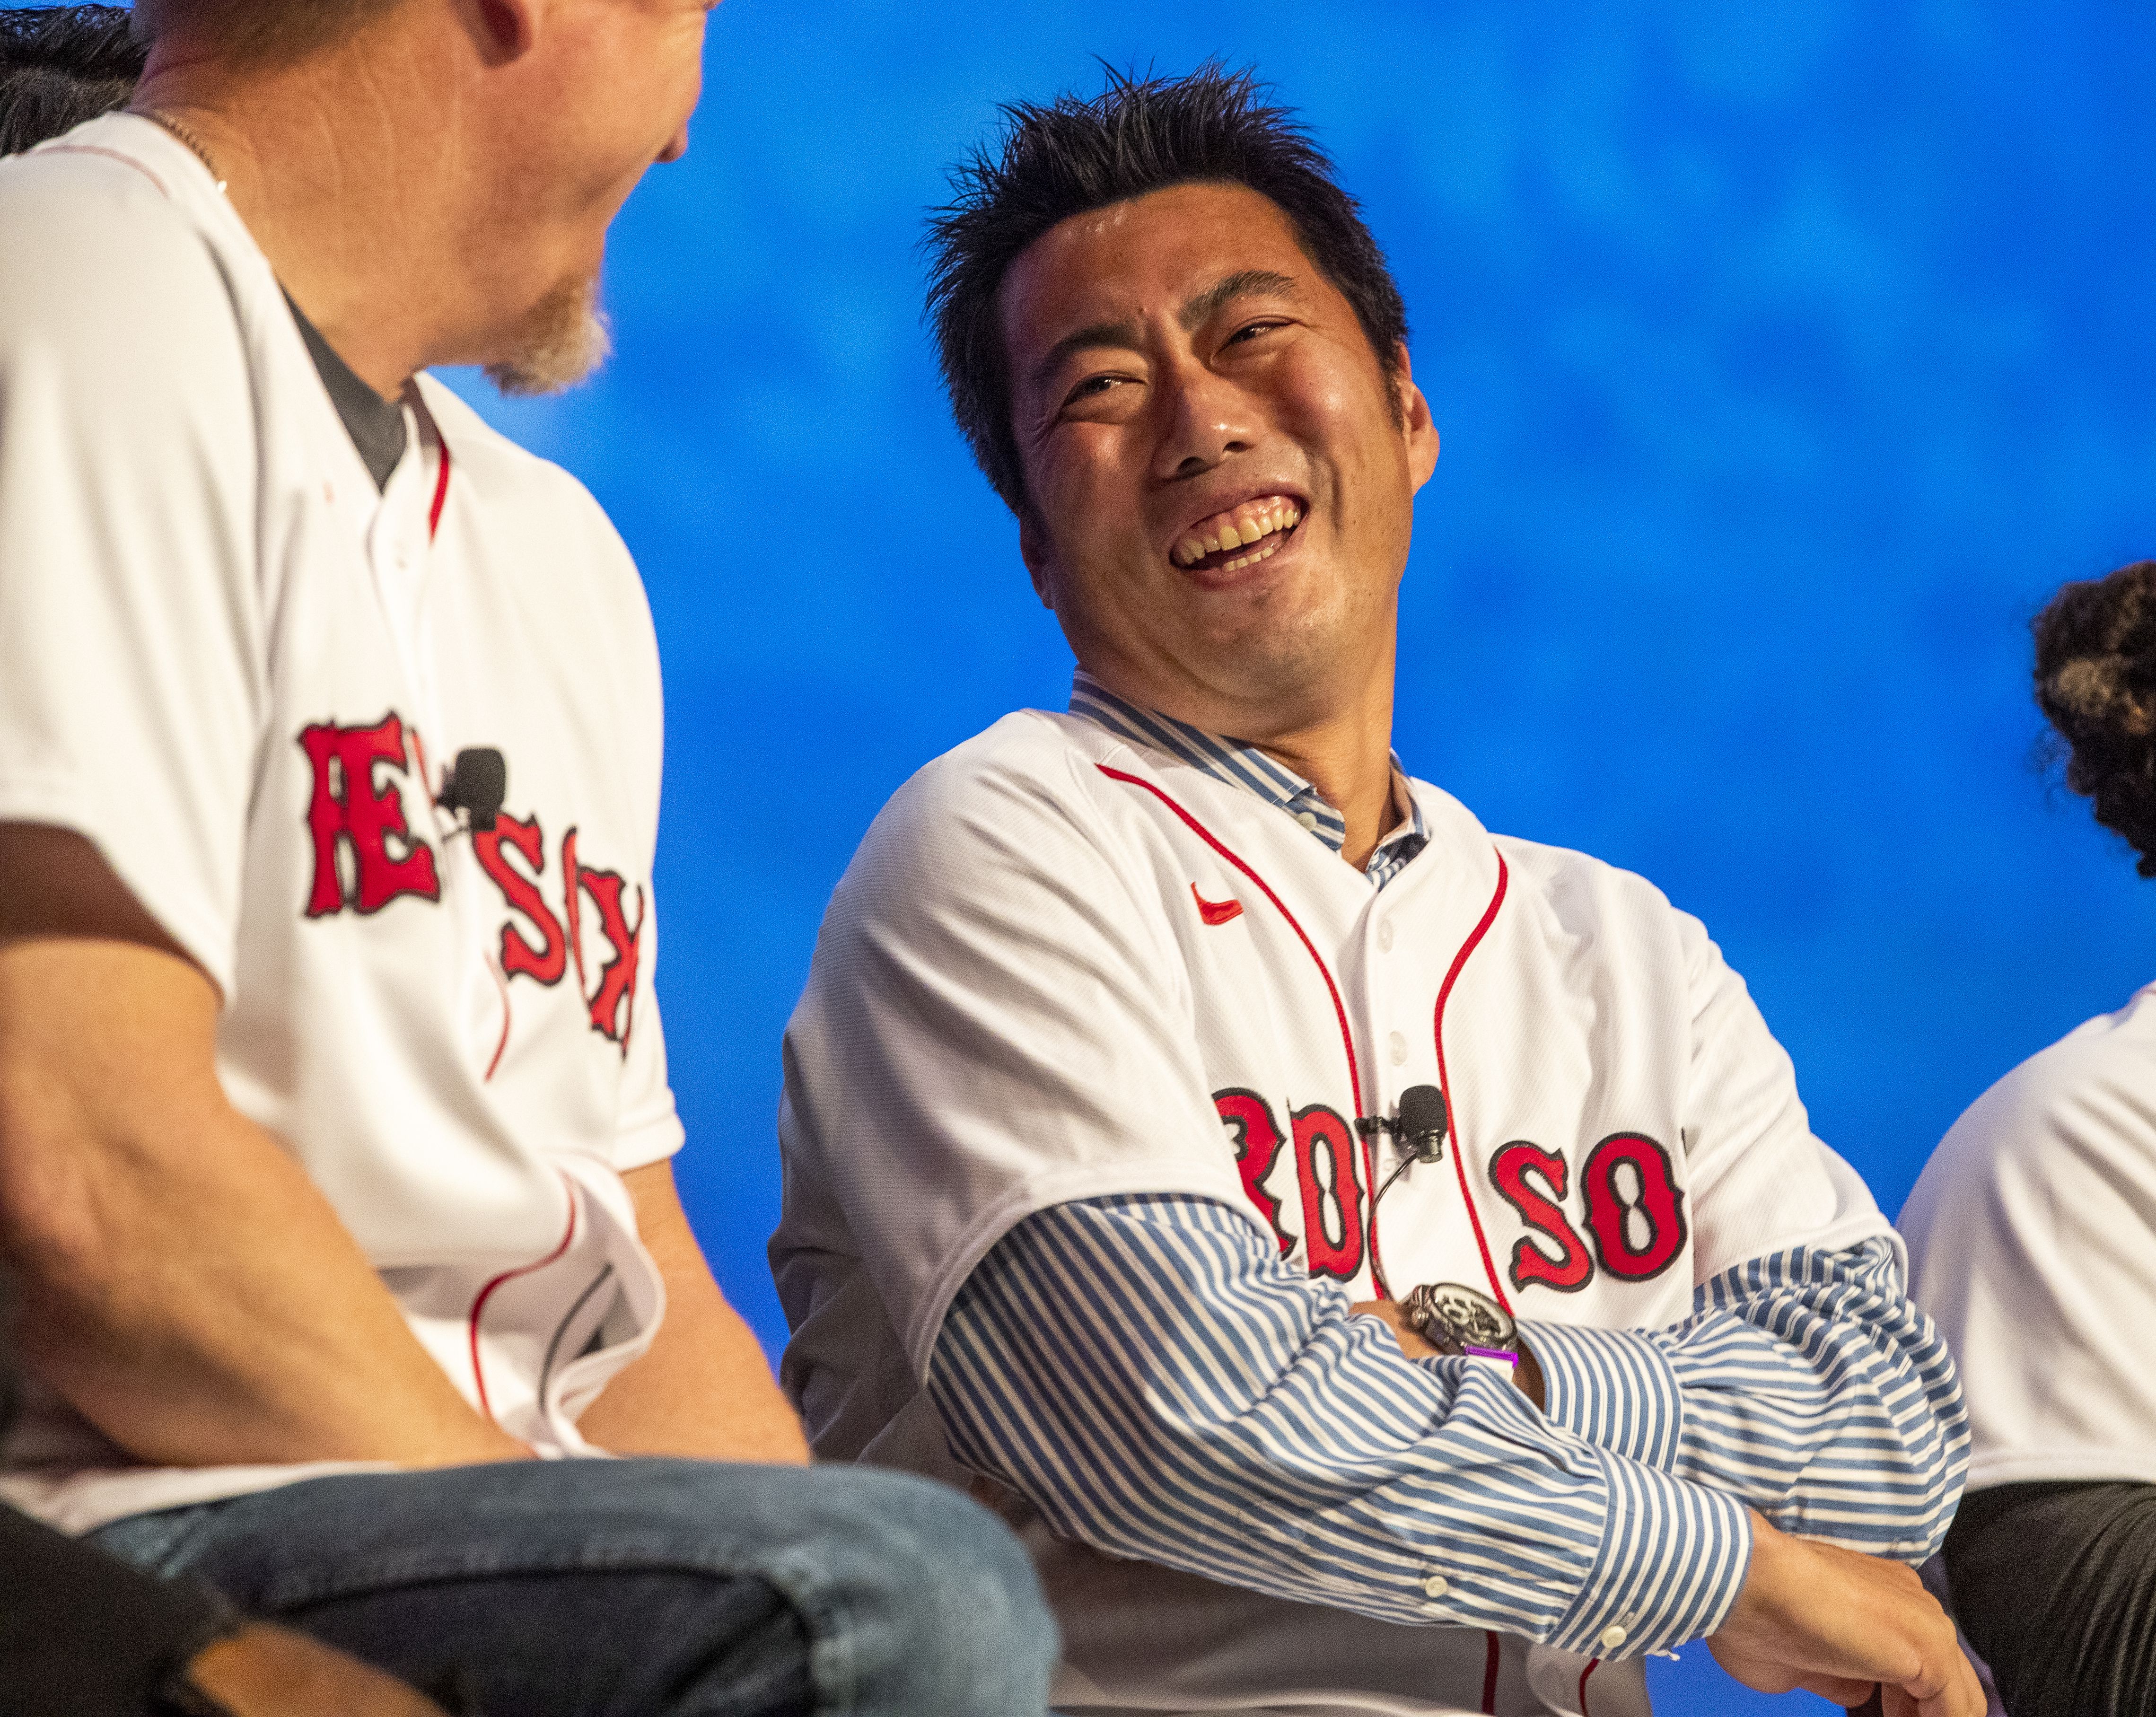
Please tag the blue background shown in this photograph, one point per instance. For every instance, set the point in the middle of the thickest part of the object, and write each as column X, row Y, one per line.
column 1786, row 356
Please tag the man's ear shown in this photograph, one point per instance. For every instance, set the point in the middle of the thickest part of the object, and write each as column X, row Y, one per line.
column 1417, row 427
column 1033, row 550
column 507, row 29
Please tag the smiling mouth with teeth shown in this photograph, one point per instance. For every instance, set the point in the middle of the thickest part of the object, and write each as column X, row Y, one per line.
column 1252, row 532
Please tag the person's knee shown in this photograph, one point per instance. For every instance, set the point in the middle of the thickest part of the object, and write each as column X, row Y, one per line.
column 939, row 1608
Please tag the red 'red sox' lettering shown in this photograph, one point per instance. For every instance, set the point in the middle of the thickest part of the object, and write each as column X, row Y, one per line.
column 1634, row 1210
column 1541, row 1209
column 519, row 958
column 354, row 809
column 612, row 1004
column 356, row 816
column 1325, row 1164
column 1250, row 1118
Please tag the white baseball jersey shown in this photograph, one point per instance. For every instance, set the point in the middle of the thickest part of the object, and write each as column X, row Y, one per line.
column 238, row 669
column 2032, row 1240
column 1064, row 966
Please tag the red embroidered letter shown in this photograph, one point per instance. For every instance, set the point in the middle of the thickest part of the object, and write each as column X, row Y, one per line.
column 518, row 958
column 350, row 808
column 614, row 1003
column 1325, row 1164
column 1544, row 1213
column 1249, row 1119
column 1639, row 1228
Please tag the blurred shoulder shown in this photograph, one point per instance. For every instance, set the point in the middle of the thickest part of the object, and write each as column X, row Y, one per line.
column 96, row 230
column 2087, row 1100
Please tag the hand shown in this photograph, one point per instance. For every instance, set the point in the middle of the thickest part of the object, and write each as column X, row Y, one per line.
column 266, row 1672
column 1835, row 1623
column 1526, row 1375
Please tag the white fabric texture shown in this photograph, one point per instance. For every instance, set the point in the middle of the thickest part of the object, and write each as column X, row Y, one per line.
column 2032, row 1233
column 239, row 671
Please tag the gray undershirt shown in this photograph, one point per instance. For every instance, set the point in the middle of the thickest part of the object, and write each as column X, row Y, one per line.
column 375, row 424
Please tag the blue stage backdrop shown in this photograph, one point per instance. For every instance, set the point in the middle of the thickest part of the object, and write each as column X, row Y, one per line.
column 1786, row 356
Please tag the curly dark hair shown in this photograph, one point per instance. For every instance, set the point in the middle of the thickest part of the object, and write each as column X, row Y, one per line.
column 1139, row 134
column 60, row 65
column 2096, row 684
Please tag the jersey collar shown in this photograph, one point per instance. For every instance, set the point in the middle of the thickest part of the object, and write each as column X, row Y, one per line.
column 1235, row 764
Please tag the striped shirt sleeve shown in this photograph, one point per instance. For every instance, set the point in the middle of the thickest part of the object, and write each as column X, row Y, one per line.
column 1806, row 1383
column 1152, row 1376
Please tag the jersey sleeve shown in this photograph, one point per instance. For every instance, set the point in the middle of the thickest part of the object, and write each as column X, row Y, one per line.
column 993, row 1024
column 651, row 1127
column 133, row 687
column 1760, row 1183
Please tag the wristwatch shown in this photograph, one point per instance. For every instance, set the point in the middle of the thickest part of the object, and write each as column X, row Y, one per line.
column 1461, row 1321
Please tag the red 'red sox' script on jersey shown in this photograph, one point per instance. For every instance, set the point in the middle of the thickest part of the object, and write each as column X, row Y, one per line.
column 368, row 854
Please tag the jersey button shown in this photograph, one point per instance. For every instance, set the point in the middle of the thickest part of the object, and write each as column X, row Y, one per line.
column 1385, row 936
column 1436, row 1585
column 1611, row 1637
column 1308, row 819
column 1396, row 1046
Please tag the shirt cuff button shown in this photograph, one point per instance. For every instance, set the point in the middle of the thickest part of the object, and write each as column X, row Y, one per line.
column 1437, row 1585
column 1611, row 1637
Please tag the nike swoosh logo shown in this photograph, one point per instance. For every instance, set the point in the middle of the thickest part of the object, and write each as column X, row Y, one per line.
column 1215, row 911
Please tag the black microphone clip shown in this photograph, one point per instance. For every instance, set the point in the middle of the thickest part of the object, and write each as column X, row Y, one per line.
column 1422, row 1123
column 475, row 784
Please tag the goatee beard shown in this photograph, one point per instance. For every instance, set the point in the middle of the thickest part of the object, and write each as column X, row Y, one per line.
column 564, row 339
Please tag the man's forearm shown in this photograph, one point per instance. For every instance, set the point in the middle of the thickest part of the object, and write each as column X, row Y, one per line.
column 181, row 1282
column 1155, row 1379
column 1806, row 1383
column 704, row 1389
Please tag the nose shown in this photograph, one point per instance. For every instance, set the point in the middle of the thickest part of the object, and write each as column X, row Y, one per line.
column 1206, row 418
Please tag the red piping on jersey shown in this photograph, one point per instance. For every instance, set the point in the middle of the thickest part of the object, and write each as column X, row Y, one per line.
column 485, row 1294
column 1490, row 1674
column 1370, row 1178
column 501, row 984
column 1445, row 1085
column 419, row 746
column 441, row 488
column 110, row 155
column 1593, row 1663
column 1204, row 834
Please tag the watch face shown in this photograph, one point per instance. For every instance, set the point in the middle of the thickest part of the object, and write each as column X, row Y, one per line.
column 1474, row 1319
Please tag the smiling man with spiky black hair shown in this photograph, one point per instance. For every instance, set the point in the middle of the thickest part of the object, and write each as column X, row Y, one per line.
column 1383, row 1267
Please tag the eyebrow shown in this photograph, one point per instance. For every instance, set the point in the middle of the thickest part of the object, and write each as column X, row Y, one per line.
column 1124, row 335
column 1248, row 282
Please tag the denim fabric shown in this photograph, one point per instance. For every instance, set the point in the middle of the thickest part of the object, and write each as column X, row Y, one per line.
column 639, row 1588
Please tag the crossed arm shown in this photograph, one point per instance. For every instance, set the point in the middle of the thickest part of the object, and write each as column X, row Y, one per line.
column 182, row 1283
column 1151, row 1375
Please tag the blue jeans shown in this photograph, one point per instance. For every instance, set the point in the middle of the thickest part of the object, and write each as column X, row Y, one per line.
column 639, row 1588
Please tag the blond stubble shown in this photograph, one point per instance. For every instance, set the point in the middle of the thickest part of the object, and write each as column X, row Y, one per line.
column 564, row 339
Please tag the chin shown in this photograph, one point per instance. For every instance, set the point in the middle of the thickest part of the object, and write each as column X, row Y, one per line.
column 564, row 339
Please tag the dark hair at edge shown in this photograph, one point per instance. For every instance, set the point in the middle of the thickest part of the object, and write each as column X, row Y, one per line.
column 2096, row 684
column 59, row 66
column 1139, row 134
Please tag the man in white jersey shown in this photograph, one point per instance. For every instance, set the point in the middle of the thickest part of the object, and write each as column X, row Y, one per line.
column 335, row 1129
column 2032, row 1238
column 1123, row 1016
